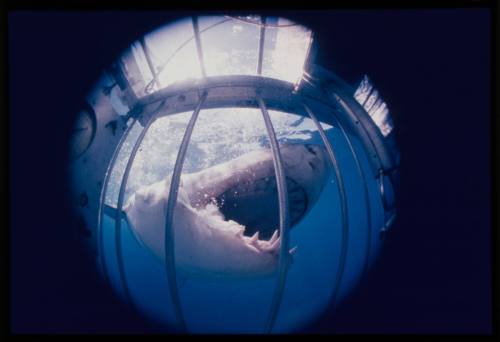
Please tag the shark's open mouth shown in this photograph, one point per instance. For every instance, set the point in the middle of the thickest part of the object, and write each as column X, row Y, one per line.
column 226, row 219
column 239, row 202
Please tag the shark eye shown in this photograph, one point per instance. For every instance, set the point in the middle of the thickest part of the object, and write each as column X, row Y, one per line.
column 310, row 149
column 195, row 173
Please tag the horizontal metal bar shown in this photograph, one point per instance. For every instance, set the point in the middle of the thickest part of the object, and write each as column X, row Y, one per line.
column 232, row 91
column 225, row 81
column 280, row 95
column 169, row 215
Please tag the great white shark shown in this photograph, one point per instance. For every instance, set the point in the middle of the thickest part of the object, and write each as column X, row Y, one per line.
column 226, row 217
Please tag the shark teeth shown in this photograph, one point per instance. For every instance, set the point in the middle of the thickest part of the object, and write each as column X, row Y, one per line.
column 274, row 237
column 253, row 248
column 275, row 244
column 253, row 242
column 271, row 246
column 254, row 238
column 239, row 232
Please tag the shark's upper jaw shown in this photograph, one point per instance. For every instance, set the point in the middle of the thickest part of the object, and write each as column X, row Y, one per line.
column 252, row 200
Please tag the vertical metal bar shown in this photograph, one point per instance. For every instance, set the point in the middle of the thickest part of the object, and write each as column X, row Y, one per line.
column 118, row 218
column 102, row 200
column 198, row 45
column 284, row 218
column 366, row 197
column 150, row 62
column 343, row 204
column 169, row 215
column 364, row 134
column 119, row 206
column 261, row 45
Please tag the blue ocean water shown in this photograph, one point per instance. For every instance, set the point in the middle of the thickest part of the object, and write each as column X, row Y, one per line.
column 242, row 306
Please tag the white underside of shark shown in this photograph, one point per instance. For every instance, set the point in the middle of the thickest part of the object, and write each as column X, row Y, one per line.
column 207, row 242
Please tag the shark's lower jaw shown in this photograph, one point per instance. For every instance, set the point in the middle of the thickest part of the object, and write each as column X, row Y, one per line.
column 220, row 247
column 225, row 239
column 206, row 244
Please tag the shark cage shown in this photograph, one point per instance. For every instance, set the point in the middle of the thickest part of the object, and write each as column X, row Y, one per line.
column 225, row 183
